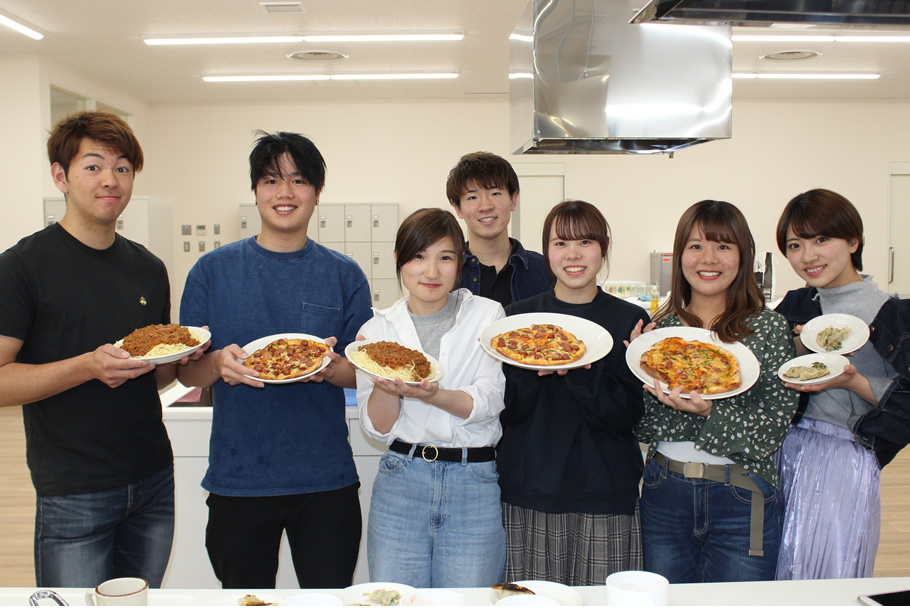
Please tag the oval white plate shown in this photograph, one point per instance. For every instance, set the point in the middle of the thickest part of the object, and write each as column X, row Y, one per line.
column 749, row 367
column 259, row 343
column 562, row 594
column 358, row 594
column 598, row 342
column 201, row 334
column 355, row 346
column 833, row 362
column 859, row 332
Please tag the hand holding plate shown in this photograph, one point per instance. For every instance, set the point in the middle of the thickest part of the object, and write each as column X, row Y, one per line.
column 229, row 368
column 114, row 366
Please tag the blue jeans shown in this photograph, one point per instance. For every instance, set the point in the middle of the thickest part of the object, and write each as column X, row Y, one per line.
column 84, row 539
column 436, row 524
column 696, row 530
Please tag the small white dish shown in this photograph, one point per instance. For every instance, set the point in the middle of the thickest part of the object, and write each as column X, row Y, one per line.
column 200, row 334
column 562, row 594
column 259, row 343
column 359, row 595
column 835, row 363
column 311, row 600
column 526, row 600
column 356, row 345
column 859, row 332
column 598, row 341
column 435, row 597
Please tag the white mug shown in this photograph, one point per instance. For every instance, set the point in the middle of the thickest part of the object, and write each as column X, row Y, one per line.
column 637, row 588
column 122, row 592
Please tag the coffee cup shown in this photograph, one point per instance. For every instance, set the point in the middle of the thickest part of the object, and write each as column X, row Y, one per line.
column 637, row 588
column 121, row 592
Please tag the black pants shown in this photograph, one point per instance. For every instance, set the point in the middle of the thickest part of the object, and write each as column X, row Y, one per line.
column 243, row 536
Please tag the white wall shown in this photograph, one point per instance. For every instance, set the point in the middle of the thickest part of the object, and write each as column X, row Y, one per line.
column 388, row 151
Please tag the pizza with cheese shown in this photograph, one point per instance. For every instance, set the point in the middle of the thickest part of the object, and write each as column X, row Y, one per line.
column 539, row 345
column 693, row 365
column 287, row 358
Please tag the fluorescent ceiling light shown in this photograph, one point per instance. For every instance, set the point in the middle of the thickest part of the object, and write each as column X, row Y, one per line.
column 326, row 77
column 223, row 40
column 18, row 27
column 381, row 38
column 333, row 38
column 809, row 38
column 796, row 75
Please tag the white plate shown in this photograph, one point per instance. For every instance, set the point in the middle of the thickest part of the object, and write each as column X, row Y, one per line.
column 749, row 367
column 311, row 600
column 259, row 343
column 598, row 342
column 562, row 594
column 201, row 334
column 833, row 362
column 355, row 346
column 859, row 332
column 358, row 594
column 435, row 597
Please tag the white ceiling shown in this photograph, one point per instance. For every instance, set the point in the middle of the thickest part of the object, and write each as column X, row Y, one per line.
column 103, row 39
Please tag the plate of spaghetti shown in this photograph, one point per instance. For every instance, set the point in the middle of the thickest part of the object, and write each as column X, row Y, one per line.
column 390, row 360
column 163, row 343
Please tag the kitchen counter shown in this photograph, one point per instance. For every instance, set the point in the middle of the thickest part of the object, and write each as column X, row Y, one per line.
column 834, row 592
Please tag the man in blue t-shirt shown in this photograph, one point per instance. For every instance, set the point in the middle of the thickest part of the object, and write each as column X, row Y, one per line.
column 483, row 188
column 279, row 457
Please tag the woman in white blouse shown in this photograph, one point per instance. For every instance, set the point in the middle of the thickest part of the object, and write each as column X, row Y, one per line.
column 435, row 515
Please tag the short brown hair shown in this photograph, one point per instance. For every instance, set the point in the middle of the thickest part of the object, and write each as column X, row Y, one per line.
column 102, row 126
column 576, row 220
column 421, row 229
column 482, row 169
column 821, row 212
column 721, row 222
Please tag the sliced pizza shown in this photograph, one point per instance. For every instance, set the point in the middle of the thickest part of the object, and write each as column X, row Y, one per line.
column 693, row 365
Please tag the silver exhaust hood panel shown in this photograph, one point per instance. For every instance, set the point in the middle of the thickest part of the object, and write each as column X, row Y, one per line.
column 864, row 14
column 585, row 80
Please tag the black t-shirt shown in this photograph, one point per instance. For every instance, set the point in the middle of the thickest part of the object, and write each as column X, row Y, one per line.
column 497, row 285
column 63, row 299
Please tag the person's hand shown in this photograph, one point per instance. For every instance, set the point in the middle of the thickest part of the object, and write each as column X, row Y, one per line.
column 845, row 380
column 561, row 373
column 328, row 372
column 114, row 367
column 637, row 331
column 200, row 351
column 422, row 391
column 693, row 404
column 232, row 371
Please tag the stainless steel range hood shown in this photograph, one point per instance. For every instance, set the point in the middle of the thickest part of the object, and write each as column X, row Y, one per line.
column 585, row 80
column 823, row 13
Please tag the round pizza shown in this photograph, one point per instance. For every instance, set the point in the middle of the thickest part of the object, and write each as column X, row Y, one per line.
column 693, row 365
column 287, row 358
column 539, row 345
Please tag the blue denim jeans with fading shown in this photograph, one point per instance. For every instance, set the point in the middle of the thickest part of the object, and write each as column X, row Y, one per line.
column 696, row 530
column 436, row 524
column 82, row 540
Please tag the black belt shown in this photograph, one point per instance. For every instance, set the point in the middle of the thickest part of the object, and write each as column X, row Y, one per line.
column 734, row 475
column 431, row 453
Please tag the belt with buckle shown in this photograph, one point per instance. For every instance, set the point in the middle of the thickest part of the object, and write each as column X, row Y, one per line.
column 432, row 453
column 732, row 474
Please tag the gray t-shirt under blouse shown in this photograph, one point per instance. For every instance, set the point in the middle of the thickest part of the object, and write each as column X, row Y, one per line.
column 431, row 328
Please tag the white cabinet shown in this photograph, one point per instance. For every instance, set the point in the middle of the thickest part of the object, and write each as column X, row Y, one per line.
column 363, row 232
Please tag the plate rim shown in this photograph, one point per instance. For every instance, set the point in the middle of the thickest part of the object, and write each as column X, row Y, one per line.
column 634, row 352
column 591, row 356
column 811, row 356
column 356, row 345
column 810, row 344
column 577, row 599
column 167, row 359
column 254, row 345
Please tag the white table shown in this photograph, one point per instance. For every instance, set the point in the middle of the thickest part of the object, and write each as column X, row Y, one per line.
column 831, row 592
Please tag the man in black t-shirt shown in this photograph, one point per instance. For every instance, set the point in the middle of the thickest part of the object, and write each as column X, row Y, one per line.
column 96, row 446
column 483, row 188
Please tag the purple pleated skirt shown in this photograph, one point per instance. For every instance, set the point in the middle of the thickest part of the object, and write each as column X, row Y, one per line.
column 832, row 507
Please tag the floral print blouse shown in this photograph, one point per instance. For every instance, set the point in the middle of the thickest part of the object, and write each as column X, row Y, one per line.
column 747, row 428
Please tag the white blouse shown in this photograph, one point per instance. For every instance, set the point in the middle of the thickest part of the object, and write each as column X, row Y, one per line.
column 466, row 367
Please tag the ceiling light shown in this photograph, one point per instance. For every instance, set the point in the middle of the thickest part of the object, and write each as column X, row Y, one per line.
column 282, row 7
column 326, row 77
column 18, row 27
column 223, row 40
column 381, row 38
column 797, row 75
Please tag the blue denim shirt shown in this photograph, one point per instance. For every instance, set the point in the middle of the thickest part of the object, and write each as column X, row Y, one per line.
column 529, row 272
column 885, row 429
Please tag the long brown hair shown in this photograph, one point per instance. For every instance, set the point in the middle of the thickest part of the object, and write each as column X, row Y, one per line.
column 724, row 223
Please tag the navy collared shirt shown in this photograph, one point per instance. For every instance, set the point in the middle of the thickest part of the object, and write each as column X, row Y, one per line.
column 528, row 270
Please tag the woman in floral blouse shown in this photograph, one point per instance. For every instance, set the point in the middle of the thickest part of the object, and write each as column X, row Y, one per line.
column 710, row 509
